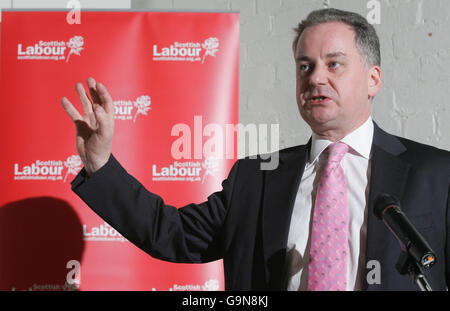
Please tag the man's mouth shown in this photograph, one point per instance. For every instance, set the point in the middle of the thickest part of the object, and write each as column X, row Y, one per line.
column 318, row 99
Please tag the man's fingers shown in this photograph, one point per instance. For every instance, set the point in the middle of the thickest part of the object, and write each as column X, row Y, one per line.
column 105, row 98
column 100, row 95
column 104, row 121
column 93, row 90
column 85, row 101
column 70, row 109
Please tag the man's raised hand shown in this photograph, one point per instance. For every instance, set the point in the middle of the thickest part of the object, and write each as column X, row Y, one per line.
column 95, row 130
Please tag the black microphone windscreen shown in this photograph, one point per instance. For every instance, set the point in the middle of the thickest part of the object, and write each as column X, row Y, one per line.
column 382, row 201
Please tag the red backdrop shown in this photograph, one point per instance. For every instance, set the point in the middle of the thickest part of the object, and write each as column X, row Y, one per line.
column 162, row 69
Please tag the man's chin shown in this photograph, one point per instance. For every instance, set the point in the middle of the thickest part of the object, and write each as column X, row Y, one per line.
column 322, row 126
column 320, row 120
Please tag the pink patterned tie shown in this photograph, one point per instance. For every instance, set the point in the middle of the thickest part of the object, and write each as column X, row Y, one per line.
column 329, row 235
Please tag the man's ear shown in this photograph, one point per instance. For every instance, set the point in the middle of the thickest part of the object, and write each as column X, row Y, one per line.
column 374, row 81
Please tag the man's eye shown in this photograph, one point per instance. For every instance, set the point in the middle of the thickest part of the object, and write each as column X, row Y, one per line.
column 334, row 65
column 304, row 67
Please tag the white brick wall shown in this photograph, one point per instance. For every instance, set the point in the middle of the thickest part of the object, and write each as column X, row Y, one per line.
column 415, row 47
column 110, row 4
column 61, row 4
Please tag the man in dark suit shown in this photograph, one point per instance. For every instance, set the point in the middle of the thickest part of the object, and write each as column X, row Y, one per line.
column 272, row 227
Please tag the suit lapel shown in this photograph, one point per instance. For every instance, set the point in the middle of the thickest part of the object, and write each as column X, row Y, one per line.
column 389, row 174
column 280, row 189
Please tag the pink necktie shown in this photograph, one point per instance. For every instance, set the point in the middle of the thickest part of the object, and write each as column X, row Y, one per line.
column 329, row 234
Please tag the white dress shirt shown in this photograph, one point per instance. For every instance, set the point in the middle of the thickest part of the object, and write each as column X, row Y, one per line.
column 356, row 166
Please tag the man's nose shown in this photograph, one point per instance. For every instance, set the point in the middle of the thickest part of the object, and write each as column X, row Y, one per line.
column 319, row 76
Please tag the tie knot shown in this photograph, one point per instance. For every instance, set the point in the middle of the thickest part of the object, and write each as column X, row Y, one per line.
column 336, row 151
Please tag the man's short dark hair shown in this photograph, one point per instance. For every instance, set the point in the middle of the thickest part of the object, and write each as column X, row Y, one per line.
column 366, row 38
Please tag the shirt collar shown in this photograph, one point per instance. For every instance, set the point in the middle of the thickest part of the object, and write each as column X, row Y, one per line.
column 360, row 141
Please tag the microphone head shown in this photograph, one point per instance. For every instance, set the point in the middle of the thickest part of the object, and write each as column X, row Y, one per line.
column 382, row 201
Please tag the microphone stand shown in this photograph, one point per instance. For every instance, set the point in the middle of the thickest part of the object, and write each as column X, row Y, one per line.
column 407, row 265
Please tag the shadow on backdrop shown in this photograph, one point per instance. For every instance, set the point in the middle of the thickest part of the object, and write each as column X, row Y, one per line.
column 38, row 237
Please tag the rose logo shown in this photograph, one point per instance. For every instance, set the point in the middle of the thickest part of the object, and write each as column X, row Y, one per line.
column 143, row 105
column 76, row 45
column 211, row 285
column 211, row 167
column 211, row 46
column 73, row 164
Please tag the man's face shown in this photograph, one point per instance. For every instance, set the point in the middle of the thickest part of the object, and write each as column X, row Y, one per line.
column 332, row 82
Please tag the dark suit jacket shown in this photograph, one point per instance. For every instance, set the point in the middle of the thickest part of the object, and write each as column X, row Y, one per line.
column 247, row 223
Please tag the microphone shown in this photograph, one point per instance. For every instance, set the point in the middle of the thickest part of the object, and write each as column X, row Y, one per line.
column 387, row 208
